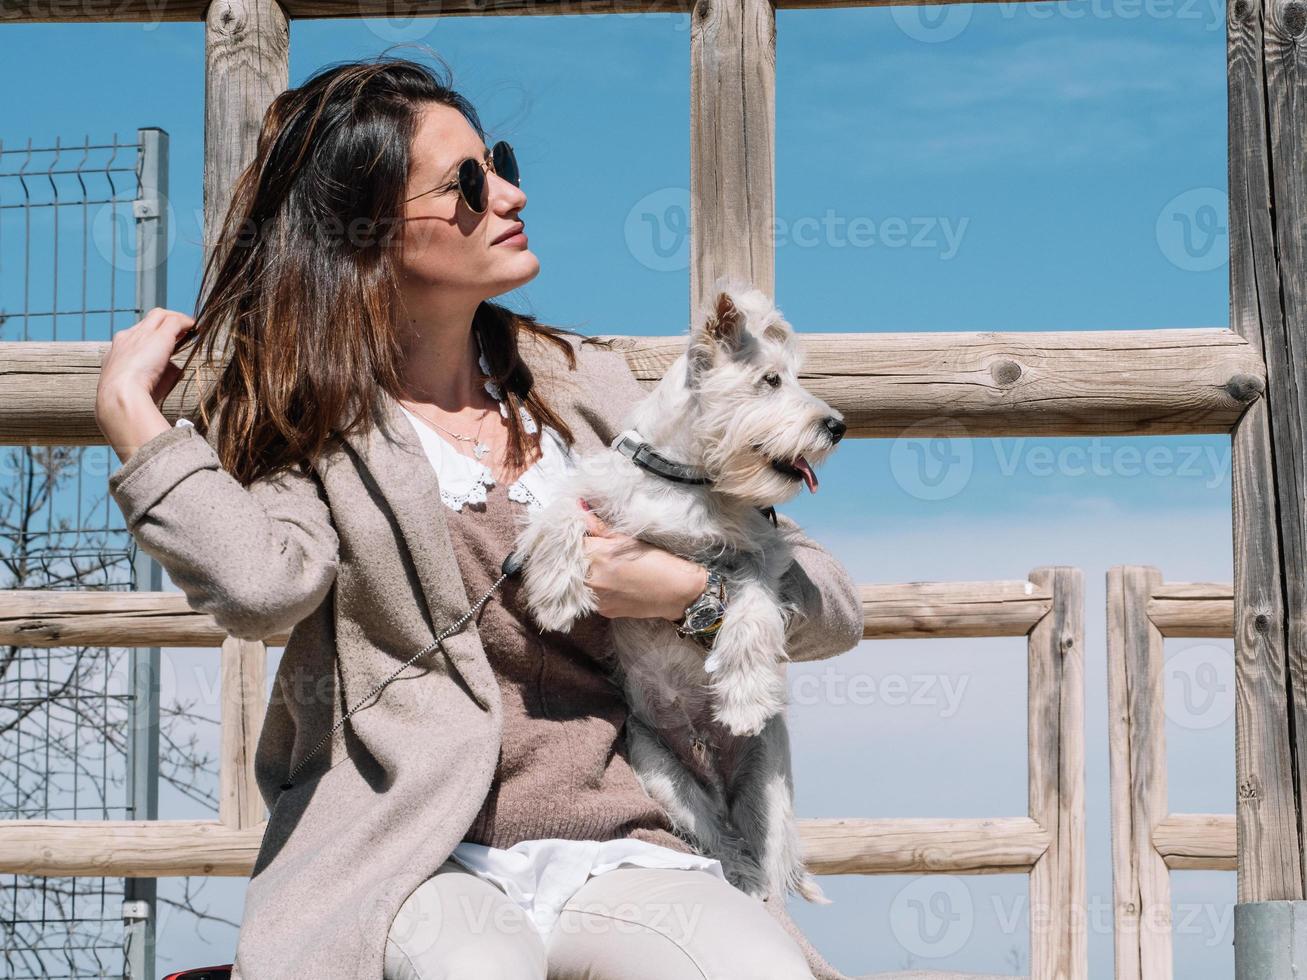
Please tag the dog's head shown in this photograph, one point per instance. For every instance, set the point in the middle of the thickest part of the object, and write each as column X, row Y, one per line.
column 760, row 434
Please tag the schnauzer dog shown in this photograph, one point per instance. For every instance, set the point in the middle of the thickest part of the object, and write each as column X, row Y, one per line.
column 727, row 434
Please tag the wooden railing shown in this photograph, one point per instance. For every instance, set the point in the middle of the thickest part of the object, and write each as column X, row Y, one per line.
column 1047, row 843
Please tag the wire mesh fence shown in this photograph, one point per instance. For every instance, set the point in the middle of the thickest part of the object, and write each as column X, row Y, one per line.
column 68, row 271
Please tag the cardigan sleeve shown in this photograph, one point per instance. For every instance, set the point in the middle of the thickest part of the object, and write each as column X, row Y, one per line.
column 828, row 617
column 258, row 559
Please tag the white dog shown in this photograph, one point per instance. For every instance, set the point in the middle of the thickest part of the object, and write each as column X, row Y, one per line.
column 726, row 434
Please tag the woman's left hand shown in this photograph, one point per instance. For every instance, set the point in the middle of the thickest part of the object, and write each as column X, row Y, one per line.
column 636, row 580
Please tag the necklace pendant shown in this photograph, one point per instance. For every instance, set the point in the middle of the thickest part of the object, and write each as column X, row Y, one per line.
column 480, row 450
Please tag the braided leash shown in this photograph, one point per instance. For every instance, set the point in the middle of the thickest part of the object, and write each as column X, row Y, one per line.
column 509, row 567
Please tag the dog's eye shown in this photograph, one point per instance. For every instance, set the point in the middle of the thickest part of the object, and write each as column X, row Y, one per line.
column 772, row 378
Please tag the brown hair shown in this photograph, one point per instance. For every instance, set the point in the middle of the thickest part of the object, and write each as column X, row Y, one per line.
column 302, row 285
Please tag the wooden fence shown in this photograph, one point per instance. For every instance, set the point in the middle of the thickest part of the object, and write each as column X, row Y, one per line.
column 1047, row 843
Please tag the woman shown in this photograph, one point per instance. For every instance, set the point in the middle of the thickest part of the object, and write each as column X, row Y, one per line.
column 355, row 476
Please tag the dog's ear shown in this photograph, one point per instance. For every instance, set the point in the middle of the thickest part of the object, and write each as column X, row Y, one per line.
column 722, row 331
column 725, row 323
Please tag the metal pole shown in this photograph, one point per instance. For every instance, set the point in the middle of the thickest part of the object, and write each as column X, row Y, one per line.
column 139, row 894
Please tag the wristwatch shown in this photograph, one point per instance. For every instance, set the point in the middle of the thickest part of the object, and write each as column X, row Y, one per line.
column 703, row 617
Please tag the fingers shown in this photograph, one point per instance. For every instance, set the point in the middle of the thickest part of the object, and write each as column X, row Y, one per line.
column 593, row 525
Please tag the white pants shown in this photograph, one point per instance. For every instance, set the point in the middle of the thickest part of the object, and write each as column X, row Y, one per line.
column 625, row 924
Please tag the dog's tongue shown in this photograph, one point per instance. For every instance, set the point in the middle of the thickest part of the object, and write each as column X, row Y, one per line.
column 809, row 477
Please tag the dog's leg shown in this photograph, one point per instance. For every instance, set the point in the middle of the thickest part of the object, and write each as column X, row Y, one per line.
column 555, row 566
column 762, row 807
column 747, row 660
column 694, row 811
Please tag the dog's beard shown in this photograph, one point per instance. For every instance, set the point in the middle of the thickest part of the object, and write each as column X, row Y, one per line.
column 762, row 478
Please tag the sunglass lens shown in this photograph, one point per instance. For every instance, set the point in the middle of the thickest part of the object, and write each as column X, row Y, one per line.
column 472, row 182
column 501, row 154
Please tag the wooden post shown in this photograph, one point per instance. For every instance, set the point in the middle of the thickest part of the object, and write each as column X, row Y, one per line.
column 246, row 65
column 1267, row 115
column 1136, row 732
column 1056, row 745
column 244, row 672
column 732, row 144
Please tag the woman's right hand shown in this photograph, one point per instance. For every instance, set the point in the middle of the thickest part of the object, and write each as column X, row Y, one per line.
column 136, row 375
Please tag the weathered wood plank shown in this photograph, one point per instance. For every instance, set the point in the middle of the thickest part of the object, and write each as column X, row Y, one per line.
column 243, row 701
column 732, row 145
column 1056, row 751
column 999, row 845
column 127, row 848
column 1193, row 609
column 64, row 617
column 52, row 618
column 1266, row 212
column 1197, row 841
column 1112, row 382
column 246, row 65
column 1106, row 382
column 895, row 611
column 1141, row 886
column 162, row 848
column 155, row 11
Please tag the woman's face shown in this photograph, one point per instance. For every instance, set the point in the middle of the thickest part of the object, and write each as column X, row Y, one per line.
column 445, row 243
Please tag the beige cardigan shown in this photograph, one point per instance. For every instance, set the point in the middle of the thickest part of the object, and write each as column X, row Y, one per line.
column 357, row 559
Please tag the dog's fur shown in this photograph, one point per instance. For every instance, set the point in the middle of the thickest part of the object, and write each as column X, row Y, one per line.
column 731, row 405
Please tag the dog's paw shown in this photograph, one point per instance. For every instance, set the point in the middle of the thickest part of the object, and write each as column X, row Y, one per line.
column 742, row 717
column 744, row 701
column 745, row 875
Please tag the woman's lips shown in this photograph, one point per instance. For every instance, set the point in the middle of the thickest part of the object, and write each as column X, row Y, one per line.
column 517, row 238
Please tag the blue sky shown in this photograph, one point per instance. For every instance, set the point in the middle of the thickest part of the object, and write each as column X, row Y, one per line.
column 981, row 167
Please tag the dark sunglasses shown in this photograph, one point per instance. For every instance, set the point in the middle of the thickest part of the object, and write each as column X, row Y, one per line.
column 471, row 181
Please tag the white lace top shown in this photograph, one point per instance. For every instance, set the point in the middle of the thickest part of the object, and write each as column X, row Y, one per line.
column 464, row 480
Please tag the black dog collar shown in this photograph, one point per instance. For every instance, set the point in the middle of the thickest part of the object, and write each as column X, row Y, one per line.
column 643, row 455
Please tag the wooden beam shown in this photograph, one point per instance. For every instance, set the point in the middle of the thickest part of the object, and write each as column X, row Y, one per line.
column 155, row 11
column 1197, row 841
column 57, row 618
column 1267, row 92
column 1001, row 845
column 1110, row 382
column 952, row 609
column 1193, row 609
column 127, row 848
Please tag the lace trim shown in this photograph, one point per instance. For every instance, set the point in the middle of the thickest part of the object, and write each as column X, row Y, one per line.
column 464, row 480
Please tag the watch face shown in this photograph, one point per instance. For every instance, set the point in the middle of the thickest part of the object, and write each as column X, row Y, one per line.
column 701, row 617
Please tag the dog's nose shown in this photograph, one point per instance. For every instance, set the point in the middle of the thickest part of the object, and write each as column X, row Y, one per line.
column 836, row 428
